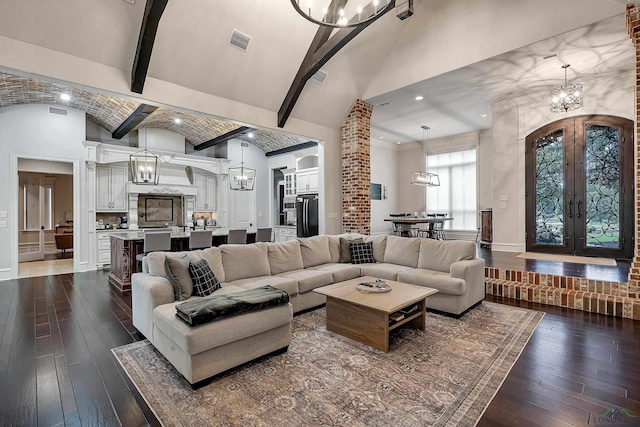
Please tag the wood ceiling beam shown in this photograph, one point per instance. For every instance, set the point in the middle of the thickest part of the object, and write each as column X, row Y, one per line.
column 130, row 123
column 296, row 147
column 152, row 13
column 222, row 138
column 322, row 49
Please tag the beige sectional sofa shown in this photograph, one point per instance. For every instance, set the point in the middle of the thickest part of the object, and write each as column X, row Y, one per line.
column 297, row 267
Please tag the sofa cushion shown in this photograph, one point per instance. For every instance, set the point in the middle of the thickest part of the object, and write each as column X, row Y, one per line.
column 213, row 255
column 383, row 270
column 196, row 339
column 339, row 271
column 438, row 255
column 177, row 272
column 242, row 261
column 361, row 252
column 284, row 256
column 345, row 249
column 204, row 281
column 334, row 247
column 402, row 251
column 379, row 245
column 444, row 283
column 309, row 279
column 315, row 251
column 290, row 286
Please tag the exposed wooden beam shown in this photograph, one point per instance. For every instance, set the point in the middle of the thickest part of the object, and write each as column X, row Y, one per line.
column 322, row 49
column 150, row 20
column 296, row 147
column 133, row 120
column 222, row 138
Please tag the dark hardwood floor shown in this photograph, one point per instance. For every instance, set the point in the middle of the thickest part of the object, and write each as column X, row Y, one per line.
column 56, row 367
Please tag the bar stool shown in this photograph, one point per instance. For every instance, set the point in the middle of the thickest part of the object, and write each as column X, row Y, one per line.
column 200, row 239
column 263, row 235
column 154, row 241
column 237, row 237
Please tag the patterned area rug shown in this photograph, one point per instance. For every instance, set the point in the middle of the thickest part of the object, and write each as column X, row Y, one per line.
column 446, row 375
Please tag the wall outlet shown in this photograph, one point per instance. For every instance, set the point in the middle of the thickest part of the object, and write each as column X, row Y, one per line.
column 503, row 205
column 3, row 214
column 3, row 224
column 504, row 197
column 259, row 213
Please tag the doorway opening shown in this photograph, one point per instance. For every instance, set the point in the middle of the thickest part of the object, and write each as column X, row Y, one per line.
column 579, row 187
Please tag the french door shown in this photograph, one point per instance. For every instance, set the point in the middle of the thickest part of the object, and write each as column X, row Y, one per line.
column 579, row 187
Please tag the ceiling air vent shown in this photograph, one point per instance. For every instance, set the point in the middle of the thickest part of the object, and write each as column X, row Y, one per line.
column 240, row 40
column 319, row 76
column 58, row 111
column 383, row 104
column 244, row 144
column 131, row 1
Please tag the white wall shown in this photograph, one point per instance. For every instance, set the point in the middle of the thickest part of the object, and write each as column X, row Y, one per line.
column 29, row 131
column 485, row 169
column 161, row 140
column 99, row 134
column 384, row 170
column 411, row 198
column 513, row 120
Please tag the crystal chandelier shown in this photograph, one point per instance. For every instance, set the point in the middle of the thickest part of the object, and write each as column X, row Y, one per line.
column 242, row 178
column 332, row 13
column 567, row 97
column 144, row 165
column 425, row 178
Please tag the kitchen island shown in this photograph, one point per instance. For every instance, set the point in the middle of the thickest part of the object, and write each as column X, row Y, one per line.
column 126, row 245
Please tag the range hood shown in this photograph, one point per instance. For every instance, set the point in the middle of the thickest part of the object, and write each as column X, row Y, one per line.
column 173, row 181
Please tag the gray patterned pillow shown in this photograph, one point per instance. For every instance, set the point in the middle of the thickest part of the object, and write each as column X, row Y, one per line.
column 204, row 281
column 361, row 253
column 345, row 249
column 177, row 272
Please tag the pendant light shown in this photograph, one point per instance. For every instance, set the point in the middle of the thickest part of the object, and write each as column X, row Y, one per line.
column 144, row 165
column 567, row 97
column 426, row 179
column 242, row 178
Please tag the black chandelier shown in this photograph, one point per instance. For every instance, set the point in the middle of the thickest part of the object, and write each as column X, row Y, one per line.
column 333, row 14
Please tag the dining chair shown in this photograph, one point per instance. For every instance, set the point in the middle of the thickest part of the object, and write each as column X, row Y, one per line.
column 400, row 229
column 64, row 242
column 237, row 237
column 154, row 241
column 439, row 227
column 200, row 239
column 263, row 235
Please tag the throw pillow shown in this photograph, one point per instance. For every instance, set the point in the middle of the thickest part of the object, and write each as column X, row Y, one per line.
column 361, row 253
column 177, row 272
column 204, row 281
column 345, row 249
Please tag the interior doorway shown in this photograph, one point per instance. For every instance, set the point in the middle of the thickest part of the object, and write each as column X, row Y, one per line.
column 45, row 210
column 579, row 187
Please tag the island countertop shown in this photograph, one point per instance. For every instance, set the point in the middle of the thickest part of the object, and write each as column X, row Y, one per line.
column 139, row 234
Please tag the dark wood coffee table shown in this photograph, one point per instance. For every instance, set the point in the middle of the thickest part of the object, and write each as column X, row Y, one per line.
column 364, row 317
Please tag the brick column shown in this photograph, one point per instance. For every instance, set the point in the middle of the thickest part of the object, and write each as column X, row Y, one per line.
column 356, row 170
column 633, row 27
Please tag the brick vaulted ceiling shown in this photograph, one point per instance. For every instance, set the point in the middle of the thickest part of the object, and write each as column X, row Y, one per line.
column 109, row 112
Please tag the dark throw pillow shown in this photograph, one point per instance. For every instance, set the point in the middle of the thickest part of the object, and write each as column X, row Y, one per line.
column 204, row 281
column 177, row 271
column 361, row 253
column 345, row 249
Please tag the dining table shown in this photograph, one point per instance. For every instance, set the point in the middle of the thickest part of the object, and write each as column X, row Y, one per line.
column 407, row 221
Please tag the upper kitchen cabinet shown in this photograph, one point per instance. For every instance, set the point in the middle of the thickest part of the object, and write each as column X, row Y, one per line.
column 307, row 181
column 111, row 195
column 290, row 181
column 206, row 191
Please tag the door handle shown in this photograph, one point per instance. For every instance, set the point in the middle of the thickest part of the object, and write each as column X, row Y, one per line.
column 570, row 211
column 578, row 210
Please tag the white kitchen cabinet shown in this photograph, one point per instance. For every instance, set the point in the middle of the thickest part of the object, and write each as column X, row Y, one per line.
column 103, row 250
column 308, row 181
column 110, row 188
column 206, row 192
column 284, row 234
column 289, row 182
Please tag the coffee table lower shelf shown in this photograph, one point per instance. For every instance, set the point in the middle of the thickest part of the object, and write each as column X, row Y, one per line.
column 367, row 325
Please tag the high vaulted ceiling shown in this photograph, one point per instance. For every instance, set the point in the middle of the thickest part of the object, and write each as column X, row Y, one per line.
column 191, row 50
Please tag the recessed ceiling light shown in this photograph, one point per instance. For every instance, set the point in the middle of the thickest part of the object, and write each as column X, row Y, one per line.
column 250, row 135
column 483, row 115
column 65, row 97
column 398, row 142
column 177, row 121
column 381, row 137
column 419, row 98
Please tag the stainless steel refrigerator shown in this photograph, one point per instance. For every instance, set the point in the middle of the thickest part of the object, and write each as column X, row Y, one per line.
column 307, row 215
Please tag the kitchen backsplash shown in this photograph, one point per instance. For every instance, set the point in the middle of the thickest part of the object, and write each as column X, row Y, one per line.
column 156, row 211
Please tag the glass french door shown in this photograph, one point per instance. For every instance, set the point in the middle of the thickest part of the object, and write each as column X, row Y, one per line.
column 579, row 187
column 35, row 216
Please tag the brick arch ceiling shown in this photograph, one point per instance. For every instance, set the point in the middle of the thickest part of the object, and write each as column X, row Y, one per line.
column 109, row 112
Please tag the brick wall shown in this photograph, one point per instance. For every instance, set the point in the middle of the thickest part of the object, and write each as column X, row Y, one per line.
column 356, row 169
column 633, row 27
